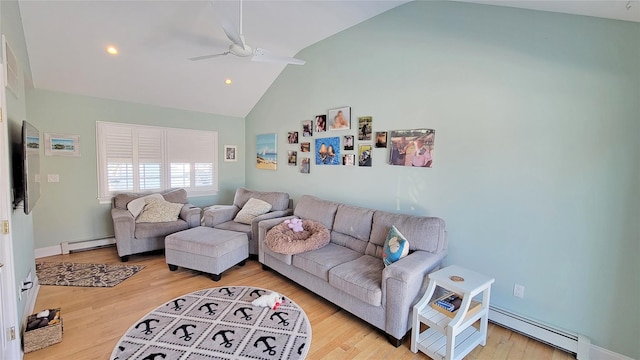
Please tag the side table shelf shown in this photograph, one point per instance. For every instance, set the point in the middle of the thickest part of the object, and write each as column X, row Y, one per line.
column 452, row 337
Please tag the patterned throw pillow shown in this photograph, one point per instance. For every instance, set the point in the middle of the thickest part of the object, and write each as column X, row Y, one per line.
column 156, row 211
column 136, row 206
column 253, row 207
column 395, row 247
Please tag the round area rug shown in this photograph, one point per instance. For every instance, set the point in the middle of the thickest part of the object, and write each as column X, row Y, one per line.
column 218, row 323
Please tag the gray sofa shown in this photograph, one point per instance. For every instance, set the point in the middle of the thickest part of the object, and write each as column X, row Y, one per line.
column 221, row 216
column 349, row 271
column 134, row 238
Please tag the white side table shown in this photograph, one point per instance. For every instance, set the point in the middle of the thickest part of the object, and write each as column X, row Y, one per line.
column 452, row 337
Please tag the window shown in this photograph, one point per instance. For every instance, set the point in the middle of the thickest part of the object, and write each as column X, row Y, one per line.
column 137, row 158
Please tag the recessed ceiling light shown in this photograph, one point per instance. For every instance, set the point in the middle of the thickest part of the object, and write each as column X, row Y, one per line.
column 112, row 50
column 227, row 81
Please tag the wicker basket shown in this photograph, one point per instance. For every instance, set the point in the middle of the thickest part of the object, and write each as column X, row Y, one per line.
column 37, row 339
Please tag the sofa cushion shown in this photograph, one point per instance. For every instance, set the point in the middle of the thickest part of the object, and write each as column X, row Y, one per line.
column 136, row 206
column 352, row 227
column 178, row 196
column 279, row 200
column 312, row 208
column 251, row 209
column 150, row 230
column 395, row 247
column 319, row 262
column 423, row 233
column 235, row 226
column 360, row 278
column 158, row 211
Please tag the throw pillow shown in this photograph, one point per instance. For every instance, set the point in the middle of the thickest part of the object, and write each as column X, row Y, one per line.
column 156, row 211
column 395, row 247
column 135, row 206
column 253, row 207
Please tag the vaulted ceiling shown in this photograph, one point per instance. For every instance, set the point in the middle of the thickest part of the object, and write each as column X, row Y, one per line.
column 67, row 41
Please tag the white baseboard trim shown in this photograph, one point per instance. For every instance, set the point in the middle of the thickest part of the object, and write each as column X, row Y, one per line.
column 596, row 352
column 66, row 247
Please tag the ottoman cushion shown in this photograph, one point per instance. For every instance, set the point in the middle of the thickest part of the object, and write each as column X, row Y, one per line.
column 204, row 241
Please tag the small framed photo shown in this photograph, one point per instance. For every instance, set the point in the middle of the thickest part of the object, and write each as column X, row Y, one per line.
column 381, row 139
column 348, row 142
column 307, row 128
column 364, row 128
column 340, row 118
column 292, row 137
column 364, row 157
column 292, row 158
column 349, row 159
column 61, row 145
column 321, row 123
column 305, row 165
column 230, row 153
column 305, row 147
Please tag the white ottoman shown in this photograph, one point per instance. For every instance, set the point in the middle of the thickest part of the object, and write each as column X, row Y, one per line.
column 206, row 249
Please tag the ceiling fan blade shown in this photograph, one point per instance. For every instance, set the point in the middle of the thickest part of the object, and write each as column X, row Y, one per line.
column 204, row 57
column 263, row 55
column 232, row 34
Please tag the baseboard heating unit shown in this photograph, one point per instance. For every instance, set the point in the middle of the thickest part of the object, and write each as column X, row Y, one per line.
column 574, row 343
column 67, row 247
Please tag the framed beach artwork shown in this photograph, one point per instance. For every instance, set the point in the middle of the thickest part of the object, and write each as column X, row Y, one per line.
column 292, row 158
column 266, row 151
column 364, row 155
column 364, row 128
column 328, row 151
column 307, row 128
column 412, row 147
column 230, row 153
column 339, row 118
column 61, row 145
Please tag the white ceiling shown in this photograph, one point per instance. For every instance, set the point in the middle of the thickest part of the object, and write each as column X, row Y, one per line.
column 66, row 42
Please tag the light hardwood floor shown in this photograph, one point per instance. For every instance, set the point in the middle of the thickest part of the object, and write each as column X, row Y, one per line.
column 96, row 318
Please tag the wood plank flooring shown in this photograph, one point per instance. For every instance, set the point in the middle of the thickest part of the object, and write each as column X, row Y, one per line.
column 96, row 318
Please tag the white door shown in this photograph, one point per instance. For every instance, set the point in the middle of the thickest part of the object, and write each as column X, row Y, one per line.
column 9, row 327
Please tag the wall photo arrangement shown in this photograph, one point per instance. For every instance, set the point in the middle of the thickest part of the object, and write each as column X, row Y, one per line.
column 340, row 118
column 328, row 151
column 412, row 147
column 266, row 151
column 61, row 145
column 321, row 123
column 292, row 137
column 305, row 147
column 307, row 128
column 364, row 155
column 364, row 128
column 292, row 158
column 305, row 165
column 230, row 153
column 348, row 142
column 381, row 139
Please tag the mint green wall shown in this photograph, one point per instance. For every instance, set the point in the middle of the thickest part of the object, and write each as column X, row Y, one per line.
column 21, row 224
column 537, row 162
column 69, row 210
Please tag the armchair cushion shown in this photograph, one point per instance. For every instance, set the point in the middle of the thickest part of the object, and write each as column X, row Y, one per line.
column 252, row 208
column 156, row 211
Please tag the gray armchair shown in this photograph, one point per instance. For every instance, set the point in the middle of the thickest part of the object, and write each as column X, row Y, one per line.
column 134, row 238
column 221, row 217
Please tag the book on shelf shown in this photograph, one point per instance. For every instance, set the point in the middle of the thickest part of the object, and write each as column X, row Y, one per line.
column 450, row 303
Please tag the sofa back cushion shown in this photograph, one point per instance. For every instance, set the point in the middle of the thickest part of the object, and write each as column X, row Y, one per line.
column 423, row 233
column 352, row 227
column 311, row 208
column 120, row 201
column 279, row 200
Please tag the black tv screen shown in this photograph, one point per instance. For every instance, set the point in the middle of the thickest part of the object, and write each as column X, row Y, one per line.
column 26, row 165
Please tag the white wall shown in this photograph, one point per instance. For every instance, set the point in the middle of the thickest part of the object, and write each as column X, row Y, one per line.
column 537, row 162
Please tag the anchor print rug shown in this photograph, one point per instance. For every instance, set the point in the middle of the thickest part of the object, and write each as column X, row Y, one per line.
column 218, row 323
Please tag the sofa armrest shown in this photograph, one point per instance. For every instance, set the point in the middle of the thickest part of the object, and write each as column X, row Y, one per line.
column 220, row 214
column 124, row 229
column 403, row 283
column 270, row 215
column 191, row 214
column 263, row 227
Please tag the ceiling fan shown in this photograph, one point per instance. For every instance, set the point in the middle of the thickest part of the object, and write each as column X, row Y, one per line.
column 241, row 49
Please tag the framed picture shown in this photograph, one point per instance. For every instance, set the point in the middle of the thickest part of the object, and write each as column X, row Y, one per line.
column 292, row 137
column 348, row 142
column 349, row 159
column 412, row 147
column 266, row 151
column 305, row 147
column 305, row 165
column 292, row 158
column 364, row 155
column 321, row 123
column 230, row 153
column 340, row 118
column 328, row 151
column 61, row 145
column 307, row 128
column 381, row 139
column 364, row 128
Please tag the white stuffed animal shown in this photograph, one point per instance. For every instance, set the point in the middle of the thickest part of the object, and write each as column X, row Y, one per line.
column 272, row 300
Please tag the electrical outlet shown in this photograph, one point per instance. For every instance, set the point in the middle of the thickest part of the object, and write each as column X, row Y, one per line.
column 53, row 178
column 518, row 291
